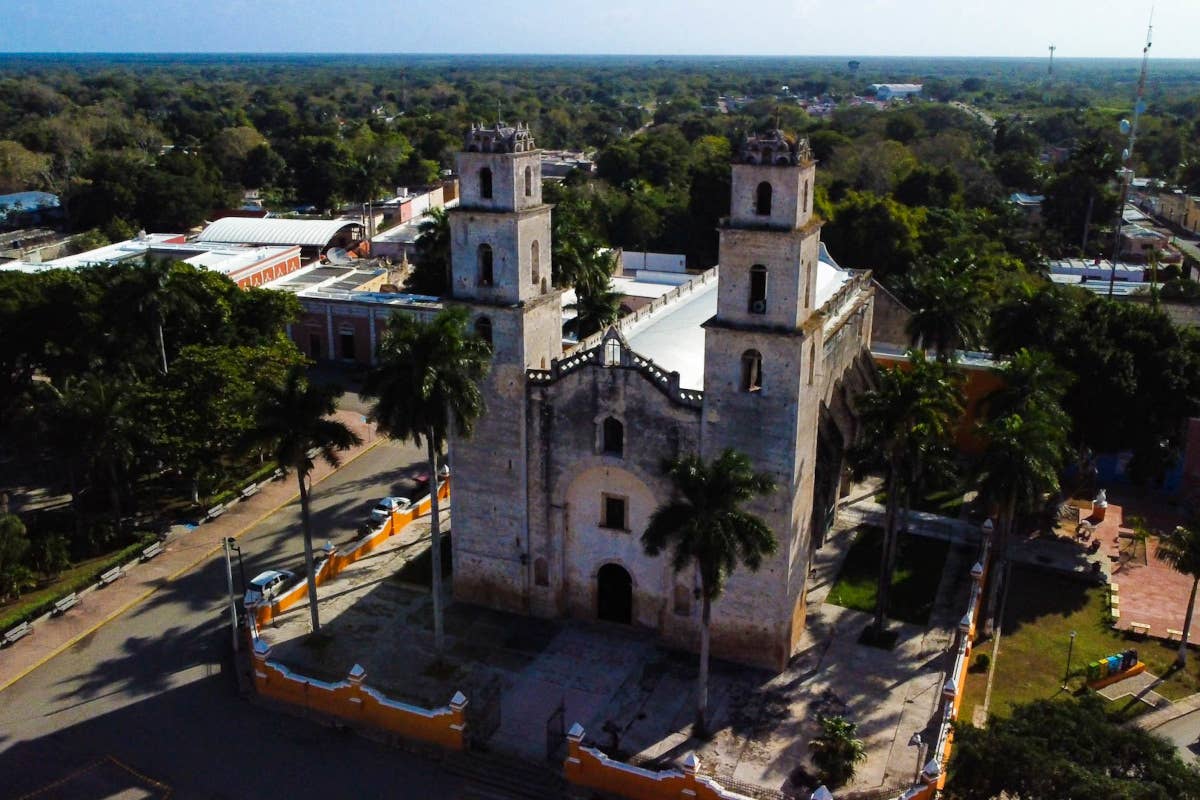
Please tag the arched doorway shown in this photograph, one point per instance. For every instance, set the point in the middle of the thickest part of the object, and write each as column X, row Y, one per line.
column 614, row 594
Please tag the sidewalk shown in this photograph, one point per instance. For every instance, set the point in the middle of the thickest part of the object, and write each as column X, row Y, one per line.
column 184, row 549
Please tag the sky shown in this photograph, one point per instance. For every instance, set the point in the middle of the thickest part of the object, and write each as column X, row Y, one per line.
column 1079, row 28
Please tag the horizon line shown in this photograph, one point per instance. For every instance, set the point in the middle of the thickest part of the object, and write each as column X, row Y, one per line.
column 757, row 56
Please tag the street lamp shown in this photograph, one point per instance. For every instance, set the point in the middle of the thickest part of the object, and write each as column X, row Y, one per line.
column 233, row 545
column 1070, row 650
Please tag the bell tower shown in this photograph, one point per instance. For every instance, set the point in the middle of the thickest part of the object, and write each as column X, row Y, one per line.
column 500, row 270
column 759, row 368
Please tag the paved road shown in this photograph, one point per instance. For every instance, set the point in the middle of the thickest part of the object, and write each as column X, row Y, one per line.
column 152, row 690
column 1184, row 733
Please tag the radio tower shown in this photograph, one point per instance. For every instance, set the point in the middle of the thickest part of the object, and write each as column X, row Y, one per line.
column 1130, row 128
column 1050, row 70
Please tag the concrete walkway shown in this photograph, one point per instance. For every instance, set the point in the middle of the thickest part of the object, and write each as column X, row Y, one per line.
column 185, row 548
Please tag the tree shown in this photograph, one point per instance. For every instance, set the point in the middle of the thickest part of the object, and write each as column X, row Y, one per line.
column 876, row 233
column 294, row 419
column 1181, row 549
column 1077, row 194
column 431, row 275
column 1065, row 749
column 706, row 528
column 20, row 169
column 425, row 388
column 597, row 304
column 837, row 752
column 906, row 422
column 14, row 545
column 946, row 310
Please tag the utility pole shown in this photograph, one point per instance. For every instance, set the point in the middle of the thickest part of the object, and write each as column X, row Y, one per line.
column 1127, row 157
column 233, row 621
column 1050, row 70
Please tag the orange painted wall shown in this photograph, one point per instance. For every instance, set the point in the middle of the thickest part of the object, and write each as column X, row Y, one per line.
column 586, row 768
column 354, row 702
column 350, row 699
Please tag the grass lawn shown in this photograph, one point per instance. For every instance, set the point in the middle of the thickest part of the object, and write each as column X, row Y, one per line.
column 1043, row 608
column 919, row 562
column 15, row 608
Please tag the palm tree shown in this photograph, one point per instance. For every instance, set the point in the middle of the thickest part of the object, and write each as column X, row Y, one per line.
column 1026, row 434
column 597, row 306
column 292, row 421
column 425, row 385
column 838, row 751
column 432, row 272
column 947, row 314
column 705, row 526
column 906, row 422
column 1181, row 549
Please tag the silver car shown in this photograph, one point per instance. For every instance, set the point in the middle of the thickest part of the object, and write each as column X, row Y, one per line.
column 267, row 586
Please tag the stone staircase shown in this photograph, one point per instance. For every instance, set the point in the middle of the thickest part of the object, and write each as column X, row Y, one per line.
column 490, row 776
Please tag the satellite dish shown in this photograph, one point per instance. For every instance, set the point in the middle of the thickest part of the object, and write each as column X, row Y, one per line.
column 337, row 255
column 1125, row 127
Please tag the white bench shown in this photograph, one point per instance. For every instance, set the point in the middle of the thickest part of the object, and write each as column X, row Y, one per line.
column 61, row 606
column 1174, row 634
column 20, row 631
column 110, row 576
column 151, row 551
column 214, row 512
column 249, row 491
column 1140, row 627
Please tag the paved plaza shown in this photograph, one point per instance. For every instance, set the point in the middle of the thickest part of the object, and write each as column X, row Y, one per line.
column 634, row 697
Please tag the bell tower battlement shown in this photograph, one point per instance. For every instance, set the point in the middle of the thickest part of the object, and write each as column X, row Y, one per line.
column 770, row 241
column 500, row 232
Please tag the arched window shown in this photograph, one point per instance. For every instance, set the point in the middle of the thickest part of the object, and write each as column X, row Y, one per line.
column 529, row 181
column 612, row 353
column 683, row 600
column 535, row 260
column 541, row 571
column 485, row 183
column 613, row 437
column 483, row 329
column 485, row 265
column 751, row 371
column 804, row 207
column 762, row 200
column 758, row 289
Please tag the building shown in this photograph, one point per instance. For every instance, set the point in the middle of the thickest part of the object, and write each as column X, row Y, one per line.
column 896, row 91
column 1180, row 209
column 246, row 266
column 314, row 237
column 344, row 310
column 564, row 469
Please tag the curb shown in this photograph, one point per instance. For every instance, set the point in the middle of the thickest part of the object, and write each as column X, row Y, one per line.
column 186, row 568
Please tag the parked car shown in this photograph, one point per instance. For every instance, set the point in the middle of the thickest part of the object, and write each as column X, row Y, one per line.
column 267, row 586
column 384, row 509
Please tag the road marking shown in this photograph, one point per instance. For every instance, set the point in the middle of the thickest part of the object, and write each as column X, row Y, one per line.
column 207, row 555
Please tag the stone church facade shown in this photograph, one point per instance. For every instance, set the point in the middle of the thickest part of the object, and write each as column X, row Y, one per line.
column 558, row 481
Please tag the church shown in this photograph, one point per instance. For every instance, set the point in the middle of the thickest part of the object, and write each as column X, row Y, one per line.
column 558, row 481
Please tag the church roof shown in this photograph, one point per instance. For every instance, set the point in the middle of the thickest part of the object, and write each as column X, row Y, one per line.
column 674, row 337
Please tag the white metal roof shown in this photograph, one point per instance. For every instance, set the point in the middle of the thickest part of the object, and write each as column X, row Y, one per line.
column 304, row 232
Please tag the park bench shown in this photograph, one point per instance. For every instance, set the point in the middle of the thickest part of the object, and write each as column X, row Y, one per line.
column 151, row 551
column 61, row 606
column 277, row 475
column 1174, row 634
column 249, row 491
column 13, row 634
column 1140, row 627
column 214, row 512
column 110, row 576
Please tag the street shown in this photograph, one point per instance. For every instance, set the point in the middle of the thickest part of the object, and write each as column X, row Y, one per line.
column 153, row 689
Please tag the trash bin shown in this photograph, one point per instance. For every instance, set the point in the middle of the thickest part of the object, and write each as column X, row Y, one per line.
column 1093, row 671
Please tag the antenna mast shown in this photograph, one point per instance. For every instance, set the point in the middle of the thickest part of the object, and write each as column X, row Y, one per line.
column 1050, row 70
column 1139, row 106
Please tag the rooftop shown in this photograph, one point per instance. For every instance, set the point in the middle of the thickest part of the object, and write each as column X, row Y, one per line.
column 304, row 232
column 348, row 283
column 226, row 259
column 674, row 337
